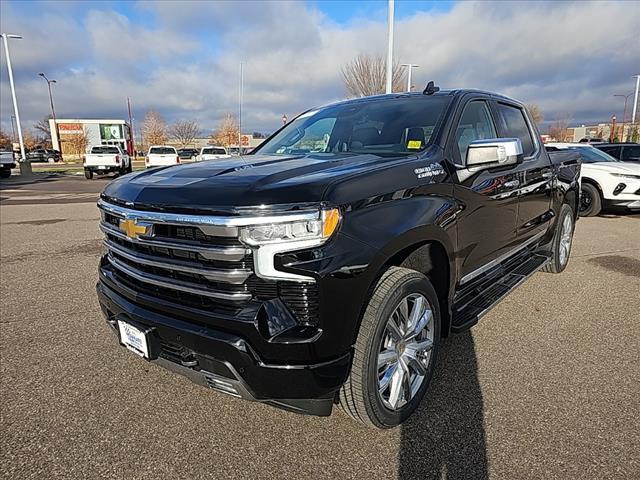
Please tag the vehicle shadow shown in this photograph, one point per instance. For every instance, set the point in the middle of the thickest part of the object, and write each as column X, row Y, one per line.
column 445, row 437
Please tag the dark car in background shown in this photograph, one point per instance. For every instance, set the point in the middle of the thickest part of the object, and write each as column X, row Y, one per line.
column 188, row 153
column 44, row 155
column 626, row 152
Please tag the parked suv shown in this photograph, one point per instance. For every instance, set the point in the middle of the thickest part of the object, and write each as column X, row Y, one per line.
column 326, row 267
column 43, row 155
column 627, row 152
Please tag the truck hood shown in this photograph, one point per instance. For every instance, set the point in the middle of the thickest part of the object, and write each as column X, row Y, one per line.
column 247, row 181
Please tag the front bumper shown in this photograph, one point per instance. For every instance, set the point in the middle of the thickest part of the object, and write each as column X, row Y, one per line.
column 228, row 363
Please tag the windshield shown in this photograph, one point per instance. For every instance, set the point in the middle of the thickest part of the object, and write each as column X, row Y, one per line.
column 104, row 150
column 380, row 127
column 163, row 150
column 213, row 151
column 593, row 155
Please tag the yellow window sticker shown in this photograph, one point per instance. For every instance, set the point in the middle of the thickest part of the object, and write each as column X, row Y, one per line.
column 414, row 144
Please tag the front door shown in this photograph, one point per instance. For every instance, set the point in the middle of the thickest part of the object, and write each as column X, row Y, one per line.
column 487, row 222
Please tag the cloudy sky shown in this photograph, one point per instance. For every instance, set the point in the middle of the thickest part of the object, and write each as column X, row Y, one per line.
column 182, row 58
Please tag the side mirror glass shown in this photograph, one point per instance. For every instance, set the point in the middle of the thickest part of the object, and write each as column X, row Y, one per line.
column 494, row 152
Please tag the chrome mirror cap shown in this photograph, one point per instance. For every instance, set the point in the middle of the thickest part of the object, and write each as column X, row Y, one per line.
column 494, row 152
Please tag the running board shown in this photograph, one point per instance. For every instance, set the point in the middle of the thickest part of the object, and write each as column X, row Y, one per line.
column 475, row 300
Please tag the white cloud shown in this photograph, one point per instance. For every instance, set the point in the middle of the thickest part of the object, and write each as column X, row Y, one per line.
column 183, row 59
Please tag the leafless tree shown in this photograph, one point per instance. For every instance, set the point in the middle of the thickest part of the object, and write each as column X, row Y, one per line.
column 535, row 113
column 366, row 75
column 227, row 131
column 558, row 130
column 42, row 126
column 154, row 128
column 78, row 142
column 5, row 139
column 184, row 131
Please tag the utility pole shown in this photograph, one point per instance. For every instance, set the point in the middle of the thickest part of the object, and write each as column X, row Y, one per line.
column 390, row 47
column 240, row 93
column 624, row 112
column 409, row 67
column 635, row 100
column 25, row 167
column 53, row 114
column 133, row 143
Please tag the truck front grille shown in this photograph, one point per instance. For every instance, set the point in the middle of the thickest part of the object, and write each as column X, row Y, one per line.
column 201, row 266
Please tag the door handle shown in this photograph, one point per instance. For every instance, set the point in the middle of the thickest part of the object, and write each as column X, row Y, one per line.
column 511, row 184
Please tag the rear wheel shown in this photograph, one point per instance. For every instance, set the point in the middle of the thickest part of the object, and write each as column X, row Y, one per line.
column 590, row 201
column 51, row 160
column 5, row 173
column 562, row 241
column 88, row 174
column 395, row 350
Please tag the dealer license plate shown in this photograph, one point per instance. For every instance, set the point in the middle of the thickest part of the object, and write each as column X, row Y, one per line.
column 134, row 339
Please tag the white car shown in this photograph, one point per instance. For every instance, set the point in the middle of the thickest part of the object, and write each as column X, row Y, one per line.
column 605, row 181
column 161, row 156
column 212, row 153
column 103, row 159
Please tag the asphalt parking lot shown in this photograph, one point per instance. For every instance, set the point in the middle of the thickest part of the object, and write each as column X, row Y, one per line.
column 546, row 386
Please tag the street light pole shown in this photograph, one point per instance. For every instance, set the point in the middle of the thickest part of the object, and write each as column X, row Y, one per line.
column 240, row 94
column 25, row 167
column 53, row 114
column 635, row 100
column 389, row 86
column 409, row 66
column 624, row 111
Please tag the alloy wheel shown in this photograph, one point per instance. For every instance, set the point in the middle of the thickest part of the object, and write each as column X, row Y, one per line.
column 566, row 236
column 405, row 351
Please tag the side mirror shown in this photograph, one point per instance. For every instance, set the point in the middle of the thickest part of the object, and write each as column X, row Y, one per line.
column 494, row 152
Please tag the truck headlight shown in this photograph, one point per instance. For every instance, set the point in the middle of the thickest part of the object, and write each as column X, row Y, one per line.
column 319, row 229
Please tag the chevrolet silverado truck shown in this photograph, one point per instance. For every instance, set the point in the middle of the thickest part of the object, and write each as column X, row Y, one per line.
column 161, row 156
column 103, row 159
column 325, row 268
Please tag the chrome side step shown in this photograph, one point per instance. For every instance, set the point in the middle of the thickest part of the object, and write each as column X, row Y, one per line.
column 474, row 301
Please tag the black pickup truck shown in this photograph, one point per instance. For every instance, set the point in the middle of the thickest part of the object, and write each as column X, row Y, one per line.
column 325, row 267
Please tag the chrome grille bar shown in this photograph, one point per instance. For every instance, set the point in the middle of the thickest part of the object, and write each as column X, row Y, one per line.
column 231, row 254
column 187, row 287
column 233, row 276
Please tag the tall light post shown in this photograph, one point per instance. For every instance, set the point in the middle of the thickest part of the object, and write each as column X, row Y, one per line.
column 389, row 86
column 240, row 95
column 53, row 114
column 25, row 167
column 409, row 67
column 635, row 100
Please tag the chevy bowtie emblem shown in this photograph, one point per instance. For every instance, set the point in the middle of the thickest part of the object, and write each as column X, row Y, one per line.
column 134, row 229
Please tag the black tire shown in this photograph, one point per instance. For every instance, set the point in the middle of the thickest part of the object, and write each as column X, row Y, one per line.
column 88, row 174
column 590, row 201
column 558, row 260
column 359, row 397
column 130, row 168
column 5, row 173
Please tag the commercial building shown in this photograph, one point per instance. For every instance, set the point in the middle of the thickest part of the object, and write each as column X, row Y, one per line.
column 87, row 132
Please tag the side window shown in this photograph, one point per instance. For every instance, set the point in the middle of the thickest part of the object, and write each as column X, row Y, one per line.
column 613, row 151
column 515, row 126
column 475, row 124
column 631, row 153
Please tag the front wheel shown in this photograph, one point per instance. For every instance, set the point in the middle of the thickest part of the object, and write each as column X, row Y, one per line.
column 395, row 351
column 5, row 173
column 88, row 174
column 590, row 201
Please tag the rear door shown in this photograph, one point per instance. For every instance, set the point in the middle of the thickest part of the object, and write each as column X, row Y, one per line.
column 534, row 176
column 487, row 223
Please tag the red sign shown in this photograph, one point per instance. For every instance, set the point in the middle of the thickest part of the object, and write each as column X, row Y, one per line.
column 70, row 128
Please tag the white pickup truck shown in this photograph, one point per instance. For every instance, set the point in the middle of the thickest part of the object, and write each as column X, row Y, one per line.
column 7, row 162
column 161, row 156
column 212, row 153
column 103, row 159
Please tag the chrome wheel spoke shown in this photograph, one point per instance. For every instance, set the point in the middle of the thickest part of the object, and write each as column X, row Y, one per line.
column 386, row 357
column 422, row 323
column 403, row 313
column 394, row 330
column 385, row 381
column 397, row 381
column 416, row 312
column 416, row 364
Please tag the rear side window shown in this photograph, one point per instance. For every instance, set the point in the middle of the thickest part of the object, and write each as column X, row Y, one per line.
column 631, row 154
column 515, row 126
column 613, row 151
column 104, row 150
column 475, row 124
column 163, row 150
column 213, row 151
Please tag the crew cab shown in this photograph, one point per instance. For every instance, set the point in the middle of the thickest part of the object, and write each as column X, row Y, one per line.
column 161, row 156
column 212, row 153
column 7, row 162
column 103, row 159
column 607, row 183
column 325, row 267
